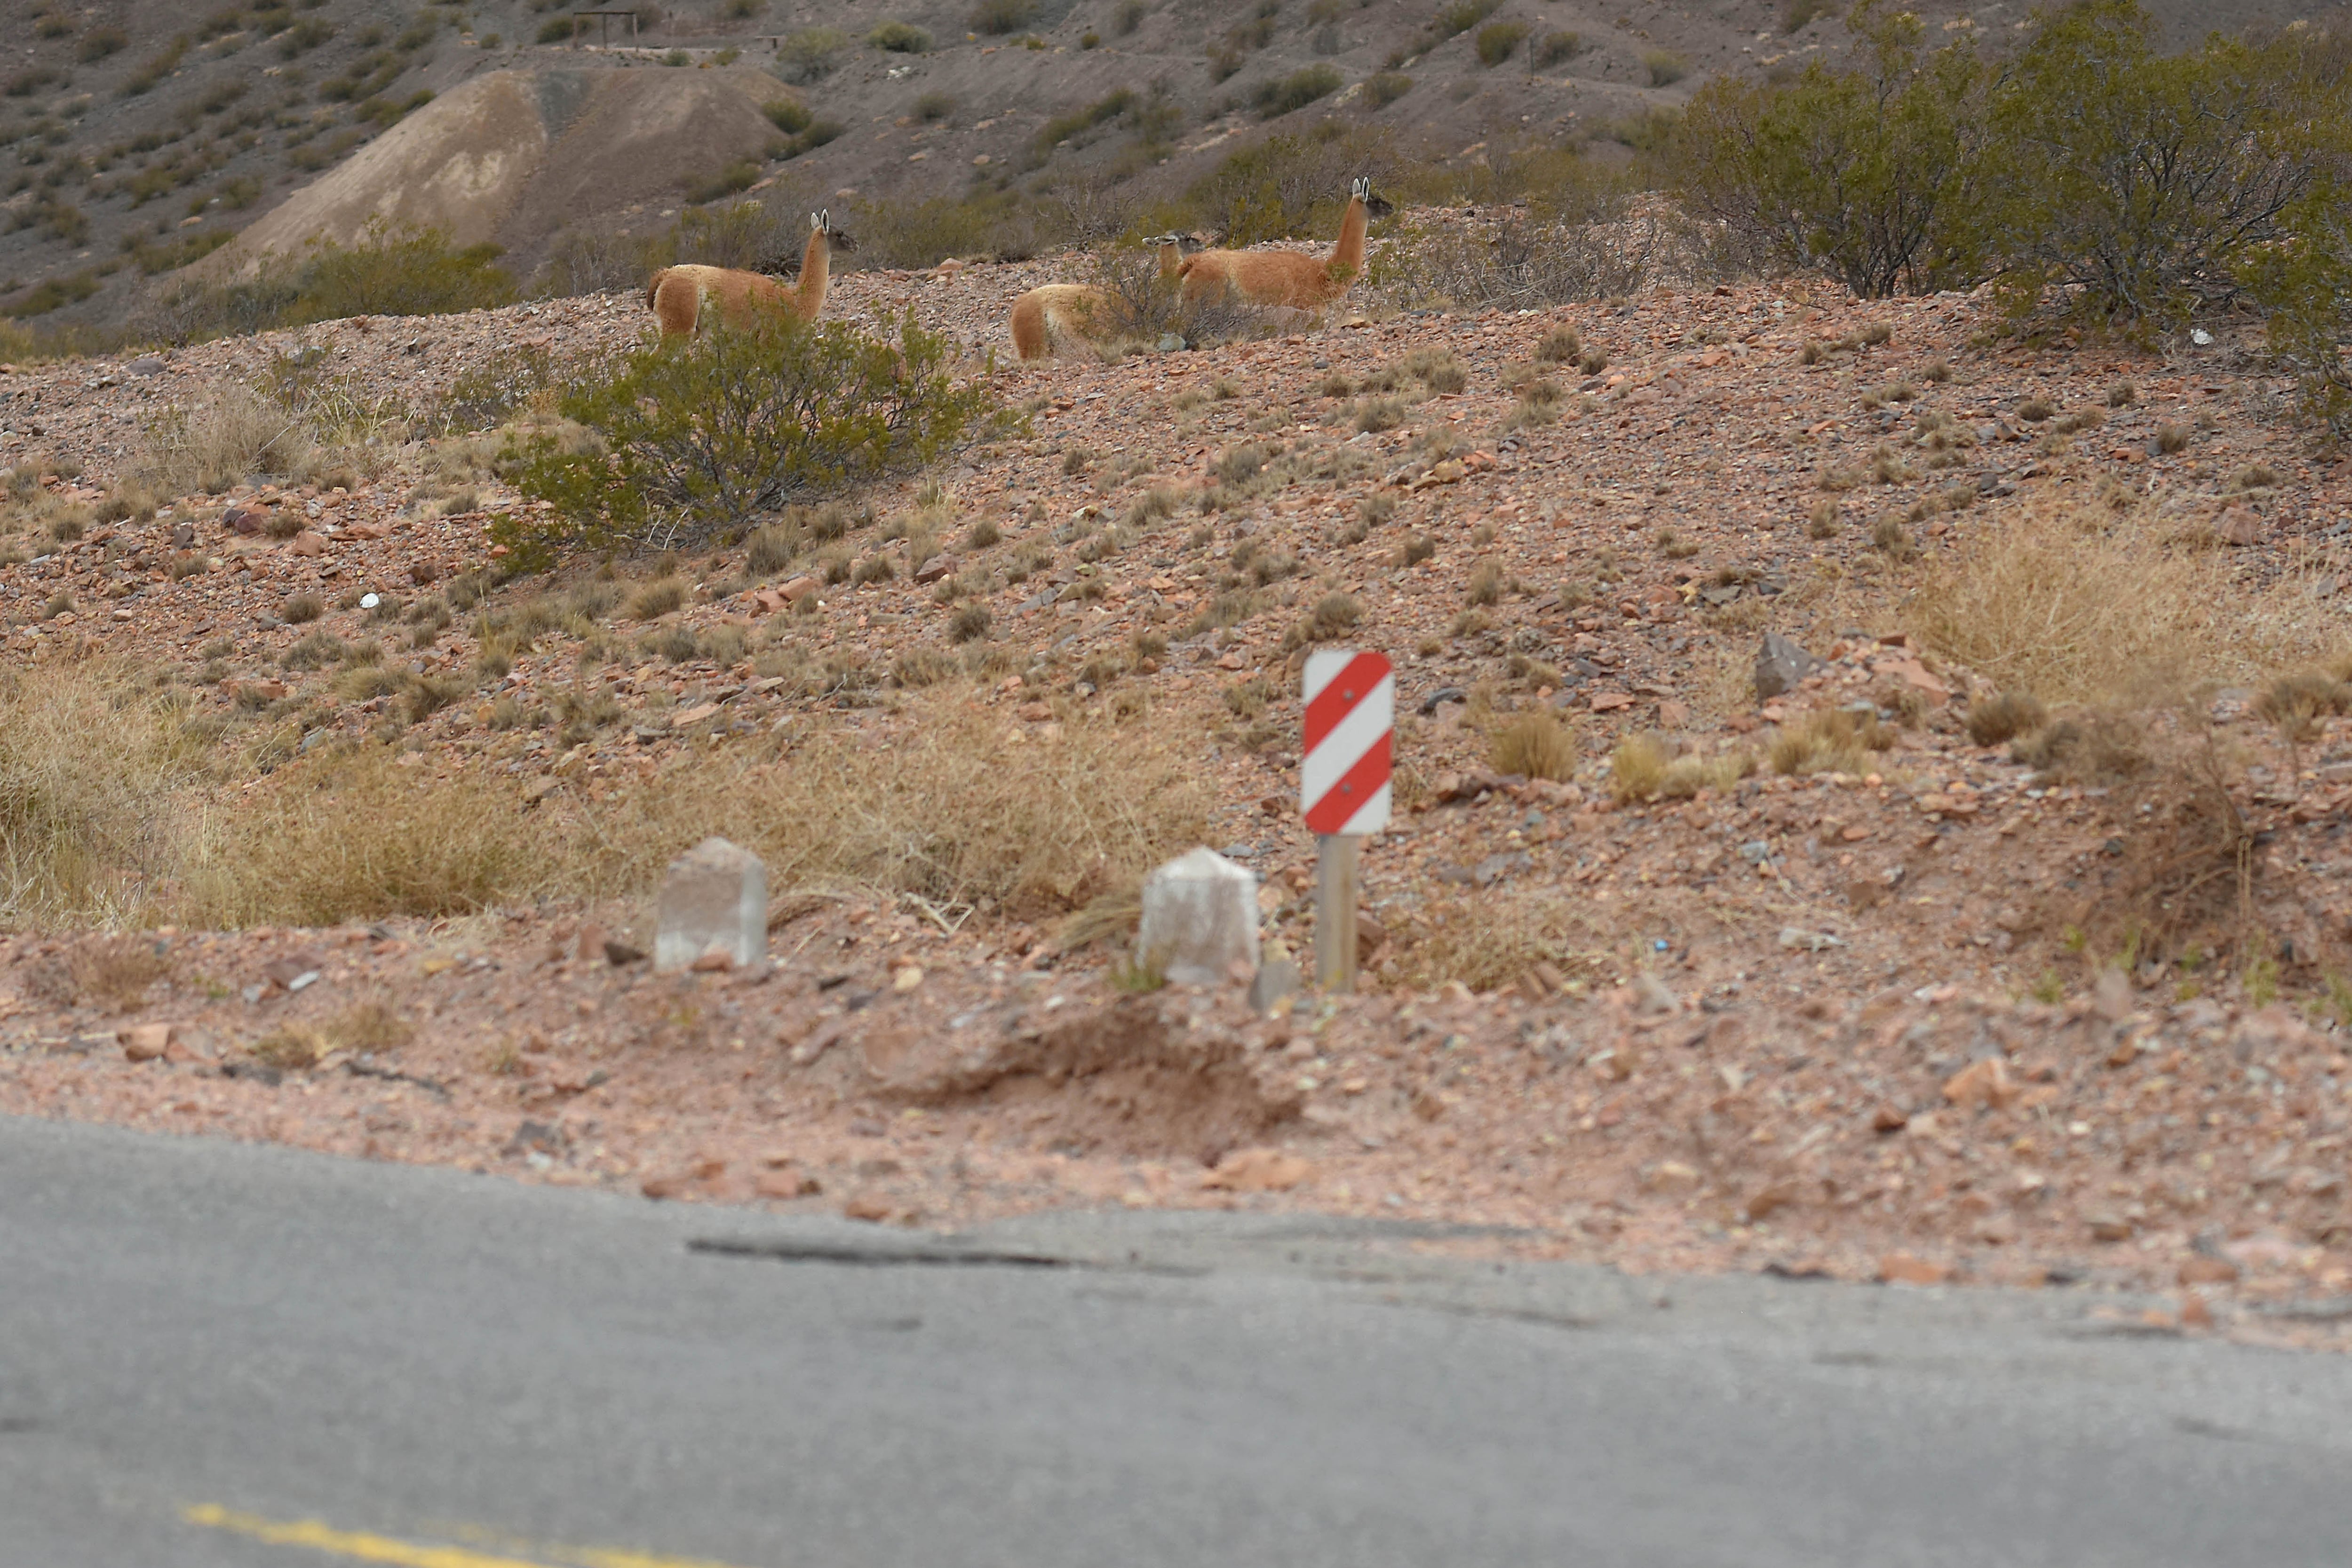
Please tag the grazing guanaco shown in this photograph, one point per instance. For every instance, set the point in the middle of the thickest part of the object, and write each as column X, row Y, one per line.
column 678, row 296
column 1284, row 277
column 1054, row 313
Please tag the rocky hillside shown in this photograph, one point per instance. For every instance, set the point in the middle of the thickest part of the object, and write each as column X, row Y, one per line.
column 1850, row 962
column 142, row 137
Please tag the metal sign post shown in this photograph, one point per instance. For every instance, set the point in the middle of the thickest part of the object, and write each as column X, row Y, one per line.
column 1343, row 787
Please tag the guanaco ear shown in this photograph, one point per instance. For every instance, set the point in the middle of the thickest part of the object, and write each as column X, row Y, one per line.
column 817, row 219
column 1362, row 188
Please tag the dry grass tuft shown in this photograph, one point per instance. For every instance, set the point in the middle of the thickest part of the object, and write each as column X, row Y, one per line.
column 2097, row 747
column 2083, row 606
column 289, row 1047
column 1637, row 769
column 1829, row 741
column 1494, row 940
column 114, row 973
column 1992, row 720
column 1537, row 745
column 92, row 765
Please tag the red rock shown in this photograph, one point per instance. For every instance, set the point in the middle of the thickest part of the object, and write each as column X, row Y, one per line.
column 144, row 1042
column 1905, row 1269
column 2199, row 1270
column 1985, row 1082
column 2239, row 525
column 1258, row 1171
column 799, row 588
column 867, row 1207
column 1610, row 701
column 309, row 543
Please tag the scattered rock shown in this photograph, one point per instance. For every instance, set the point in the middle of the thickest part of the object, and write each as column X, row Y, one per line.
column 1258, row 1171
column 1781, row 665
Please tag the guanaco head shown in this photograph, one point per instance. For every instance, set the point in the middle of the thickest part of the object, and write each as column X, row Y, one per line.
column 1361, row 190
column 821, row 222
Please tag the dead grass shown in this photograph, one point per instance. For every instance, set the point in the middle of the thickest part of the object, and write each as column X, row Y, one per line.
column 94, row 764
column 1535, row 745
column 1497, row 939
column 2078, row 605
column 1829, row 741
column 210, row 447
column 1637, row 769
column 115, row 972
column 1992, row 720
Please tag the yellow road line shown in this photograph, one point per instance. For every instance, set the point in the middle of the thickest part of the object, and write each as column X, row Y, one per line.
column 365, row 1548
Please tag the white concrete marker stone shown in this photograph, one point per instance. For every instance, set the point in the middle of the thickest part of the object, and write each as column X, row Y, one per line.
column 1200, row 914
column 714, row 898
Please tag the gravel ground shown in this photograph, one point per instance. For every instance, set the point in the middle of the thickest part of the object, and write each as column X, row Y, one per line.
column 1833, row 1022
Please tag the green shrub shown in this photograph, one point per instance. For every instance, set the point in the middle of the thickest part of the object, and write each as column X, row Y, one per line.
column 997, row 17
column 934, row 106
column 697, row 438
column 1665, row 67
column 2141, row 181
column 1869, row 174
column 789, row 115
column 1460, row 18
column 391, row 272
column 739, row 175
column 810, row 54
column 1385, row 87
column 1295, row 91
column 1558, row 47
column 900, row 39
column 817, row 134
column 1498, row 41
column 100, row 42
column 557, row 30
column 1292, row 185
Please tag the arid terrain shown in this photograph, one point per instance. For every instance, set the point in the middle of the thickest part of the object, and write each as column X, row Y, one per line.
column 140, row 137
column 1658, row 969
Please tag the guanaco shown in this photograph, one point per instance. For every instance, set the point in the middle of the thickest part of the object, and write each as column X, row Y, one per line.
column 678, row 295
column 1284, row 277
column 1053, row 313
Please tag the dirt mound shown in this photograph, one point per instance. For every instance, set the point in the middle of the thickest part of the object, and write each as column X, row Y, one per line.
column 1126, row 1078
column 517, row 156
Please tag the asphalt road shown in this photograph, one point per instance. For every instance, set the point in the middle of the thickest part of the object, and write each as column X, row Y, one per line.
column 219, row 1354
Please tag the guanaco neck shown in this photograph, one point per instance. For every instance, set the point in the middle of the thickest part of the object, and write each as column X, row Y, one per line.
column 816, row 269
column 1348, row 256
column 1172, row 261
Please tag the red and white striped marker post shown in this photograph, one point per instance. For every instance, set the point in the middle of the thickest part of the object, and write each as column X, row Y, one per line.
column 1343, row 787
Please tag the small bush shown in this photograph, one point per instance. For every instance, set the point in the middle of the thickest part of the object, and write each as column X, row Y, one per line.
column 810, row 54
column 657, row 599
column 100, row 42
column 995, row 18
column 788, row 115
column 558, row 30
column 1557, row 49
column 1665, row 65
column 1993, row 720
column 1498, row 41
column 1385, row 87
column 1300, row 87
column 1829, row 741
column 900, row 39
column 302, row 609
column 699, row 437
column 1537, row 745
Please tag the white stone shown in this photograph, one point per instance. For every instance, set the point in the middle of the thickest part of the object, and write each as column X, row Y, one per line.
column 1200, row 916
column 714, row 898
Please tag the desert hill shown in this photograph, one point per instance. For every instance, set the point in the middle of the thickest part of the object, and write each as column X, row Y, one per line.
column 1663, row 968
column 144, row 136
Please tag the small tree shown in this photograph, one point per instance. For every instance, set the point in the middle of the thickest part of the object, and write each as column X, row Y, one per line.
column 2146, row 181
column 697, row 438
column 1868, row 174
